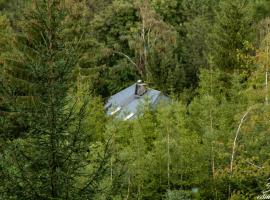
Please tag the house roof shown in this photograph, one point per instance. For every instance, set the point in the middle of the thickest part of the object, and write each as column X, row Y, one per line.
column 125, row 103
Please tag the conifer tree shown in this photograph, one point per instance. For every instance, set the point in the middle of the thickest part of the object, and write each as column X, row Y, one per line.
column 213, row 114
column 54, row 159
column 8, row 121
column 250, row 144
column 231, row 33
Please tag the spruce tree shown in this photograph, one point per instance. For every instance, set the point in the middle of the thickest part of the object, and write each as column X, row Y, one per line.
column 54, row 159
column 231, row 33
column 8, row 120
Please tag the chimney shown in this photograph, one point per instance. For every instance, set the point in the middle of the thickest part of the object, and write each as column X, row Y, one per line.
column 140, row 88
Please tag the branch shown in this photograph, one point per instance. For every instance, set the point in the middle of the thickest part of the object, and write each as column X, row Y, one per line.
column 236, row 137
column 126, row 56
column 101, row 167
column 254, row 165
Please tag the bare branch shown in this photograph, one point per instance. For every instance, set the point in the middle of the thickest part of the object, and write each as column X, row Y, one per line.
column 254, row 165
column 126, row 56
column 236, row 137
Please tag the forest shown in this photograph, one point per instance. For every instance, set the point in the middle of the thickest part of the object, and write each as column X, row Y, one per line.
column 61, row 60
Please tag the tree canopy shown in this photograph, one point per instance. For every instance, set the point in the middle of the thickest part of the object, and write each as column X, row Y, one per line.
column 60, row 61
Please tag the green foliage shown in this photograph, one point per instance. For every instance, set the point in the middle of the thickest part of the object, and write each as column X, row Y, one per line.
column 193, row 21
column 55, row 157
column 138, row 44
column 155, row 46
column 58, row 57
column 231, row 31
column 155, row 151
column 111, row 30
column 178, row 195
column 262, row 8
column 9, row 120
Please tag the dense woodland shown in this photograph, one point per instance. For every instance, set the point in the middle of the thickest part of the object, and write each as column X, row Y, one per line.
column 60, row 60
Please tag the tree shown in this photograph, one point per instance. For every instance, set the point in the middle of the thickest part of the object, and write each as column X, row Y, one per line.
column 213, row 115
column 6, row 32
column 198, row 20
column 193, row 21
column 249, row 148
column 111, row 31
column 11, row 8
column 231, row 33
column 262, row 8
column 8, row 119
column 55, row 158
column 155, row 45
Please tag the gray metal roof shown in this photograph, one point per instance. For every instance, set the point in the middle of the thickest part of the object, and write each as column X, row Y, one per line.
column 125, row 103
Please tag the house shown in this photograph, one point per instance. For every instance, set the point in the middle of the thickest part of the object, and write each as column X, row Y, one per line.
column 125, row 104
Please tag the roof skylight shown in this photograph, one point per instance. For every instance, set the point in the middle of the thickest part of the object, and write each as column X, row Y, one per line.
column 116, row 110
column 129, row 116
